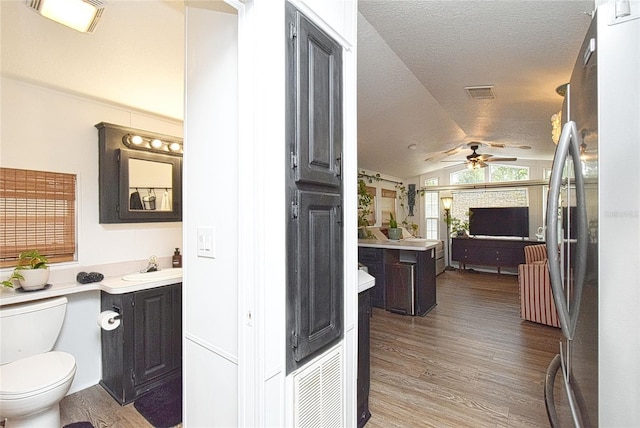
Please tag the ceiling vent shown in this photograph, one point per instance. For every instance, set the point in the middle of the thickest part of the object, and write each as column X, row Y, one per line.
column 480, row 92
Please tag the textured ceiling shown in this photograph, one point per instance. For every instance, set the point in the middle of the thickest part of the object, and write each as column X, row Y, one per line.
column 414, row 60
column 135, row 57
column 416, row 57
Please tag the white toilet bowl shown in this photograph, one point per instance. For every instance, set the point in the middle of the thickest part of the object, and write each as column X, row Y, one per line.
column 31, row 389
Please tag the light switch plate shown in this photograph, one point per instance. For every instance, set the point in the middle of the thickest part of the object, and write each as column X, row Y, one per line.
column 206, row 242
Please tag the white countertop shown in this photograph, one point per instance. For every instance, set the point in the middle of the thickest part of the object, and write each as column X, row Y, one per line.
column 111, row 285
column 365, row 281
column 411, row 244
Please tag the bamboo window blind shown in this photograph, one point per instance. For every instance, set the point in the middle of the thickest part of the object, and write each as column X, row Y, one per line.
column 37, row 211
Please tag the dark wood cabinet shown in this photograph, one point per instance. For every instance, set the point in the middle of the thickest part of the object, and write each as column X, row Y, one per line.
column 314, row 189
column 489, row 252
column 386, row 266
column 373, row 259
column 364, row 354
column 145, row 351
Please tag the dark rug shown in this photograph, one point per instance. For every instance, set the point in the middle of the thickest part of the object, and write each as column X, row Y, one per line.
column 79, row 425
column 162, row 406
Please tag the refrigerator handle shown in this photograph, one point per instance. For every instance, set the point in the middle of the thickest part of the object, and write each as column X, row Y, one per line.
column 569, row 144
column 549, row 383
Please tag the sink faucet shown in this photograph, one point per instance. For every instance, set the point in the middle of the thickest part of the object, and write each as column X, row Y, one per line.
column 152, row 266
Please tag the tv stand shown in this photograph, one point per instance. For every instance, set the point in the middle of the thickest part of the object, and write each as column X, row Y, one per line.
column 497, row 253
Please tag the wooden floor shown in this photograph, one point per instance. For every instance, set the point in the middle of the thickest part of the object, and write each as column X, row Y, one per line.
column 470, row 362
column 95, row 405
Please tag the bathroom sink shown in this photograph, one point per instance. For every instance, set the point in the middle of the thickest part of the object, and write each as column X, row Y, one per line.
column 154, row 276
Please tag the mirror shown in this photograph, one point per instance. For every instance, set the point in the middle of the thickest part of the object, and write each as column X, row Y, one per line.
column 140, row 175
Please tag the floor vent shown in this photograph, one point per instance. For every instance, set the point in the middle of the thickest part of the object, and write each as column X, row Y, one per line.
column 318, row 400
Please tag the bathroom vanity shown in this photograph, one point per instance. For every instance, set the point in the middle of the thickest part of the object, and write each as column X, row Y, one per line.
column 145, row 351
column 150, row 324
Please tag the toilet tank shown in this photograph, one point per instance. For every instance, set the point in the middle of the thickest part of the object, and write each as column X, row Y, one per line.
column 30, row 328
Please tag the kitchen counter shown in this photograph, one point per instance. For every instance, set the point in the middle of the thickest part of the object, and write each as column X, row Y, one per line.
column 365, row 281
column 111, row 285
column 411, row 244
column 404, row 272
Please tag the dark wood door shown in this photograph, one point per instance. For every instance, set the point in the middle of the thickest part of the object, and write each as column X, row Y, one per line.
column 317, row 283
column 314, row 189
column 364, row 354
column 317, row 83
column 153, row 335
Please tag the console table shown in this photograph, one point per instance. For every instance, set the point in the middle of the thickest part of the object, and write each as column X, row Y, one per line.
column 405, row 273
column 497, row 253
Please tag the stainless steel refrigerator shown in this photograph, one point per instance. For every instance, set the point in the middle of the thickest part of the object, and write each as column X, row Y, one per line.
column 593, row 230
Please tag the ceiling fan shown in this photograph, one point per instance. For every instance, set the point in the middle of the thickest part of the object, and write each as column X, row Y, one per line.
column 474, row 145
column 476, row 160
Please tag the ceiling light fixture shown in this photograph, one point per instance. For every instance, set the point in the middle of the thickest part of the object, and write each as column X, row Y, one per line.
column 142, row 142
column 81, row 15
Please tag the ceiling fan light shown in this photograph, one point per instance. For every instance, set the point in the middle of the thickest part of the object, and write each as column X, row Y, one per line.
column 81, row 15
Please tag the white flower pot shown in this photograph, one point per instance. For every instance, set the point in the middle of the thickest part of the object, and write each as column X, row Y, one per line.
column 34, row 279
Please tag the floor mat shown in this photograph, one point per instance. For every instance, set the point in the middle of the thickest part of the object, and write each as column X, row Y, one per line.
column 162, row 407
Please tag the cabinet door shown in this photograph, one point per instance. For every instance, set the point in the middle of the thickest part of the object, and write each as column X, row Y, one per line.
column 315, row 273
column 373, row 259
column 314, row 189
column 316, row 77
column 153, row 334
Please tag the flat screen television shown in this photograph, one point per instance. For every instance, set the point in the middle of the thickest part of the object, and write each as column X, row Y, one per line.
column 509, row 221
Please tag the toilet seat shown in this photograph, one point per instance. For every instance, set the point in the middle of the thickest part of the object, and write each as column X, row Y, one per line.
column 35, row 375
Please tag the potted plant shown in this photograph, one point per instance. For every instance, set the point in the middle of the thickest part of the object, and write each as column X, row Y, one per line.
column 395, row 232
column 365, row 199
column 32, row 271
column 459, row 227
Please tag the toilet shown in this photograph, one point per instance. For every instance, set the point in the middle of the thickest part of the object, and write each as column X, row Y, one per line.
column 33, row 378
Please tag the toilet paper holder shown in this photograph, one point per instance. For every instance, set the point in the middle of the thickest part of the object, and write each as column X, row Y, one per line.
column 115, row 317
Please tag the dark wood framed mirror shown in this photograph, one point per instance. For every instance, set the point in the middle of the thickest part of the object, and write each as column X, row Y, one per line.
column 140, row 177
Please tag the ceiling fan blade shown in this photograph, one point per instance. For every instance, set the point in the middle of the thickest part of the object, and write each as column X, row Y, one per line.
column 504, row 146
column 450, row 152
column 501, row 160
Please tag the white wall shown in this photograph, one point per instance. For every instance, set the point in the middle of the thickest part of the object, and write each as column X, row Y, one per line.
column 50, row 130
column 210, row 295
column 234, row 131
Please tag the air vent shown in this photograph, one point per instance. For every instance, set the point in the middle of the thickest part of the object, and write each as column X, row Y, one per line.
column 318, row 399
column 480, row 92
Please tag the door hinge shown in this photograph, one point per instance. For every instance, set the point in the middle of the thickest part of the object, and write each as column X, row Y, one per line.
column 133, row 375
column 294, row 160
column 294, row 209
column 293, row 31
column 294, row 340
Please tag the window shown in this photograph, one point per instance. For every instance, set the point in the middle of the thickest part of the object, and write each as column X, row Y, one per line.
column 431, row 210
column 387, row 205
column 37, row 211
column 432, row 215
column 499, row 173
column 466, row 176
